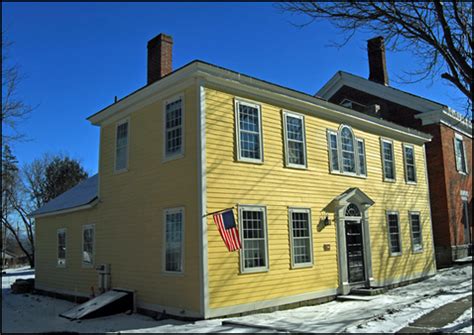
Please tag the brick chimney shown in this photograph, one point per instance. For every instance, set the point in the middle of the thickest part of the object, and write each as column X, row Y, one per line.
column 160, row 57
column 377, row 61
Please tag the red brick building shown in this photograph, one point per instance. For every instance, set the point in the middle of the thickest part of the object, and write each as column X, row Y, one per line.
column 449, row 155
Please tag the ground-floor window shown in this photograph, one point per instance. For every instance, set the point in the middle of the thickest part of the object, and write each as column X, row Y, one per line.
column 394, row 233
column 174, row 241
column 252, row 220
column 301, row 237
column 416, row 236
column 88, row 237
column 61, row 234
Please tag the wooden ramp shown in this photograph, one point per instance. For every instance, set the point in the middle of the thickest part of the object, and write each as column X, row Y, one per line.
column 108, row 303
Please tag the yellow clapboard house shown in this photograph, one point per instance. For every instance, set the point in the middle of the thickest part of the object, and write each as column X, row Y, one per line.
column 326, row 199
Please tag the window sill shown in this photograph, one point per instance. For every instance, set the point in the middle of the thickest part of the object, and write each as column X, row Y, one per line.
column 353, row 175
column 172, row 274
column 172, row 157
column 117, row 172
column 411, row 183
column 61, row 266
column 463, row 173
column 389, row 180
column 87, row 265
column 248, row 161
column 296, row 167
column 395, row 254
column 255, row 270
column 302, row 266
column 420, row 251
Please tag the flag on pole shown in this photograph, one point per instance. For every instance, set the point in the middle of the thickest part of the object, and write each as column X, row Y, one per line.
column 226, row 225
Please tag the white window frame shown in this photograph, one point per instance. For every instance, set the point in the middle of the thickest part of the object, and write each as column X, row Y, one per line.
column 399, row 233
column 412, row 147
column 237, row 103
column 253, row 208
column 180, row 153
column 463, row 155
column 307, row 211
column 285, row 132
column 119, row 123
column 61, row 262
column 163, row 259
column 382, row 141
column 415, row 250
column 355, row 140
column 86, row 264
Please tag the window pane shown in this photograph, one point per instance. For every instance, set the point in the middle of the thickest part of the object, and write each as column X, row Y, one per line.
column 410, row 164
column 301, row 237
column 294, row 128
column 416, row 231
column 361, row 149
column 249, row 132
column 348, row 156
column 173, row 123
column 121, row 146
column 174, row 241
column 88, row 245
column 296, row 153
column 389, row 168
column 61, row 247
column 254, row 251
column 460, row 159
column 295, row 140
column 394, row 233
column 334, row 154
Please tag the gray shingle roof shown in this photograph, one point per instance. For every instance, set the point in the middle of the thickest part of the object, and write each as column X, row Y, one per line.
column 82, row 194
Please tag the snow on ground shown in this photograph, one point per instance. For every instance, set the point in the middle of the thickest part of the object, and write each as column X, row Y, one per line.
column 385, row 313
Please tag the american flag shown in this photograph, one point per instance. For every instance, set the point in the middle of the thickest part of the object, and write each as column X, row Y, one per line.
column 226, row 225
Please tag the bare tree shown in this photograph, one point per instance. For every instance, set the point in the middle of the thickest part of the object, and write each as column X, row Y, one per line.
column 14, row 109
column 438, row 33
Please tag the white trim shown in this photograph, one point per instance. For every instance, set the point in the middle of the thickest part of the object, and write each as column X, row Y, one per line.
column 307, row 211
column 294, row 115
column 448, row 118
column 167, row 101
column 68, row 210
column 222, row 78
column 463, row 155
column 330, row 132
column 237, row 103
column 361, row 140
column 58, row 263
column 118, row 124
column 386, row 140
column 202, row 196
column 464, row 195
column 421, row 249
column 412, row 147
column 253, row 208
column 253, row 306
column 387, row 213
column 85, row 264
column 173, row 210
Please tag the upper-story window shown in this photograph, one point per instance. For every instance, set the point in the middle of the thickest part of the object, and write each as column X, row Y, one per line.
column 295, row 142
column 346, row 152
column 410, row 167
column 388, row 160
column 460, row 153
column 173, row 131
column 88, row 241
column 61, row 234
column 121, row 145
column 249, row 132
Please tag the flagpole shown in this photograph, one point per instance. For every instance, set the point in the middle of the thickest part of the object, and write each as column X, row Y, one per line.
column 222, row 210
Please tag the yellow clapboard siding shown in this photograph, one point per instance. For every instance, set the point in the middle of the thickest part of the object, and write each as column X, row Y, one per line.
column 271, row 184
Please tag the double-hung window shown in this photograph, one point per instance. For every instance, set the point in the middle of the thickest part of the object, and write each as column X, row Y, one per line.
column 88, row 237
column 173, row 128
column 61, row 235
column 388, row 160
column 121, row 145
column 301, row 237
column 460, row 154
column 174, row 240
column 394, row 236
column 254, row 254
column 346, row 152
column 295, row 143
column 416, row 236
column 410, row 168
column 249, row 132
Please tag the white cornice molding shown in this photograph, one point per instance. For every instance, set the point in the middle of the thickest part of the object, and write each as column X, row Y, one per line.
column 448, row 118
column 67, row 210
column 285, row 97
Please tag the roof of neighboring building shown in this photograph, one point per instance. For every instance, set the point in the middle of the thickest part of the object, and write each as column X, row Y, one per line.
column 225, row 77
column 83, row 195
column 430, row 111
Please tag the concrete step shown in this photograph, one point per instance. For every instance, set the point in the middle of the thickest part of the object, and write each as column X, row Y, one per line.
column 368, row 291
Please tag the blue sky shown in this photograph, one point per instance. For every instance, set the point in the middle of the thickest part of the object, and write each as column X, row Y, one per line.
column 77, row 56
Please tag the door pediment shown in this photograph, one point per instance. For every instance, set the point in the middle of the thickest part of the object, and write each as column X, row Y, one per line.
column 351, row 195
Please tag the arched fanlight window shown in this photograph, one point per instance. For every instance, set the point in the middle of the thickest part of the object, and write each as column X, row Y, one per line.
column 347, row 150
column 352, row 210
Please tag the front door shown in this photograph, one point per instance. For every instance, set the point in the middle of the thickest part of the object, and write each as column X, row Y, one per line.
column 355, row 251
